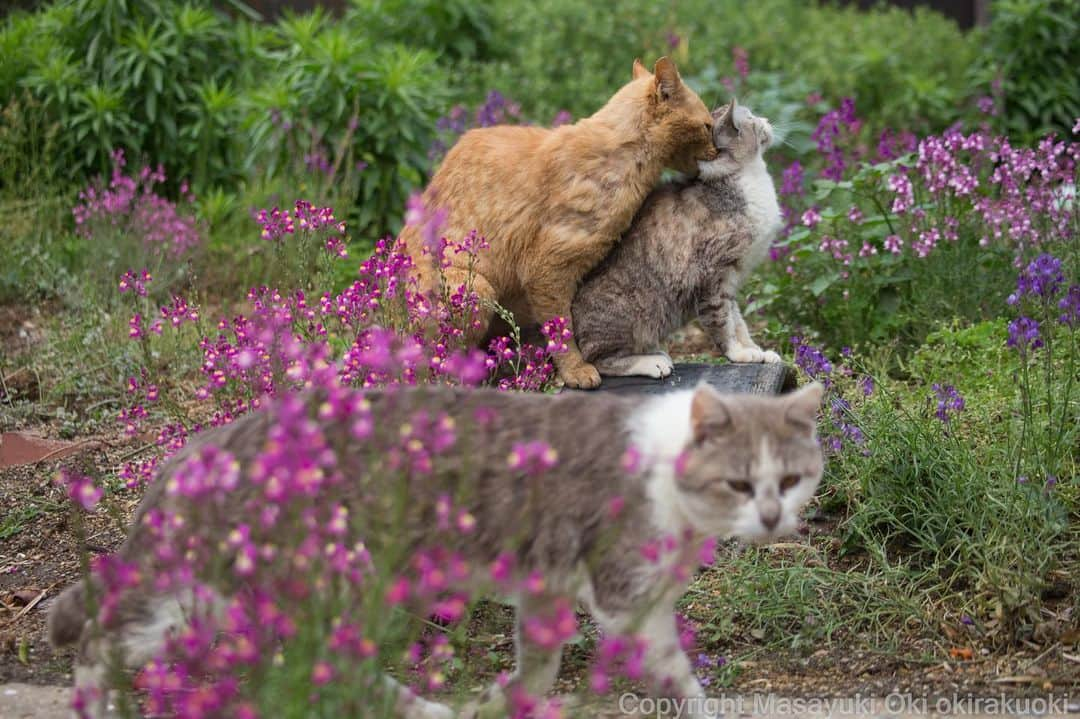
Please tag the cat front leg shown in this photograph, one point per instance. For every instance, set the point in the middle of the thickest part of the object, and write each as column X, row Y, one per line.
column 742, row 333
column 550, row 293
column 669, row 671
column 536, row 664
column 722, row 320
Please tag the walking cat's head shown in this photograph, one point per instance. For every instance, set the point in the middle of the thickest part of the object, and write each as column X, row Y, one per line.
column 751, row 464
column 678, row 124
column 740, row 138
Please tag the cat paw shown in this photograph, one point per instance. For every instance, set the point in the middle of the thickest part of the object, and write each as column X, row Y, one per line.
column 745, row 355
column 428, row 710
column 582, row 376
column 657, row 366
column 490, row 705
column 770, row 357
column 662, row 366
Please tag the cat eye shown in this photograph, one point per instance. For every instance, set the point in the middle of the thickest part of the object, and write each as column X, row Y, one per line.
column 708, row 126
column 788, row 481
column 741, row 486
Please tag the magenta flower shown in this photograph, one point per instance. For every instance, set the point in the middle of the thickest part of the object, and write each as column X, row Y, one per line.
column 811, row 217
column 80, row 489
column 533, row 457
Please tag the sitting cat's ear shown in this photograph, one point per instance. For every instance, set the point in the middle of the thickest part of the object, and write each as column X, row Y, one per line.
column 708, row 414
column 730, row 119
column 803, row 406
column 668, row 80
column 639, row 69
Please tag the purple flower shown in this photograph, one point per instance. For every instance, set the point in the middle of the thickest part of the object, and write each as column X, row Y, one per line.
column 811, row 360
column 832, row 126
column 1023, row 332
column 1070, row 307
column 866, row 384
column 742, row 61
column 80, row 489
column 949, row 402
column 792, row 180
column 1041, row 279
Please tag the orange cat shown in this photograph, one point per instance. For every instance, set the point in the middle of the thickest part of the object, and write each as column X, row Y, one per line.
column 553, row 202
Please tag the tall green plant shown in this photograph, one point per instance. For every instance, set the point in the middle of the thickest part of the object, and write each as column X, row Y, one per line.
column 1033, row 50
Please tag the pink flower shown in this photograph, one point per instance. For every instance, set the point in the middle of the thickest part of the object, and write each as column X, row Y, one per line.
column 80, row 489
column 322, row 673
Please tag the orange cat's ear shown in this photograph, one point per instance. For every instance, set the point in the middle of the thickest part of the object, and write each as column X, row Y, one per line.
column 708, row 414
column 667, row 78
column 639, row 69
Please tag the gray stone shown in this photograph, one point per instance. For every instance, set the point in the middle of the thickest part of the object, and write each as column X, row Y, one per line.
column 735, row 378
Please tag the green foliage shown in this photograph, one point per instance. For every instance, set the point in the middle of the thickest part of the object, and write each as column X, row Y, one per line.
column 944, row 498
column 136, row 74
column 1033, row 50
column 181, row 85
column 563, row 54
column 455, row 29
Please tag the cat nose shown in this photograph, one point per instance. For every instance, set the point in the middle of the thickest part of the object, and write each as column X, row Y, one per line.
column 770, row 520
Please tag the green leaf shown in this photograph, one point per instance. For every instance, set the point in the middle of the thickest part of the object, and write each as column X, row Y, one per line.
column 822, row 283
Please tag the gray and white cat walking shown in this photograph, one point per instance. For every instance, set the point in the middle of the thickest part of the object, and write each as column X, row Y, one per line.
column 690, row 248
column 708, row 465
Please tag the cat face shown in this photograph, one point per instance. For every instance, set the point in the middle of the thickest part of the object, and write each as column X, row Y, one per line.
column 685, row 126
column 740, row 138
column 752, row 463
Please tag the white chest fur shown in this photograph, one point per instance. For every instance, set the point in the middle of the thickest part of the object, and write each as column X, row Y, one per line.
column 761, row 207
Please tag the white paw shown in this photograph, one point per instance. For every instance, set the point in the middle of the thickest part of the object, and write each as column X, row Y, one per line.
column 664, row 365
column 656, row 366
column 770, row 357
column 745, row 354
column 423, row 709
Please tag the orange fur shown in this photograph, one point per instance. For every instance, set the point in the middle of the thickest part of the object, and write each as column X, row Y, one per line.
column 552, row 202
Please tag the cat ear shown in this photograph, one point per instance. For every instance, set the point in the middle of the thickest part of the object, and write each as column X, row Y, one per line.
column 708, row 414
column 668, row 81
column 730, row 109
column 639, row 69
column 803, row 406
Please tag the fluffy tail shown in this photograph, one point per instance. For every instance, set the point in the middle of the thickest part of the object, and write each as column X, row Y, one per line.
column 68, row 616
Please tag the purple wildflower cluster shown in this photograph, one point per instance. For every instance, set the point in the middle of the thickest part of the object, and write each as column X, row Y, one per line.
column 130, row 206
column 1041, row 291
column 949, row 402
column 288, row 340
column 496, row 109
column 842, row 429
column 740, row 60
column 956, row 185
column 392, row 335
column 836, row 129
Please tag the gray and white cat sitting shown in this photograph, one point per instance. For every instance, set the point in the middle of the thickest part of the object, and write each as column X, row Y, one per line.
column 708, row 465
column 684, row 257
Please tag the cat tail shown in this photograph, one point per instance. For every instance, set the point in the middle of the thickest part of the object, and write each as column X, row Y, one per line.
column 69, row 613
